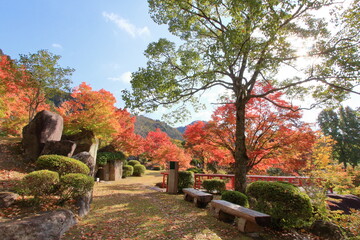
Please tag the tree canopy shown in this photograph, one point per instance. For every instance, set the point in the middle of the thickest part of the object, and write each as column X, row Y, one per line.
column 343, row 126
column 241, row 44
column 45, row 76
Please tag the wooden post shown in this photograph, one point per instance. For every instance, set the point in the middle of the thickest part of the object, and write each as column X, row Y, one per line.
column 173, row 177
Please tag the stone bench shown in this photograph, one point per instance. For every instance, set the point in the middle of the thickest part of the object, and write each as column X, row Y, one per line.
column 201, row 199
column 246, row 220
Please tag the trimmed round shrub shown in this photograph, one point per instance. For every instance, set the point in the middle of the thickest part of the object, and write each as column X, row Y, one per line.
column 74, row 185
column 134, row 162
column 235, row 197
column 139, row 170
column 104, row 157
column 286, row 204
column 128, row 170
column 214, row 185
column 185, row 180
column 61, row 164
column 40, row 183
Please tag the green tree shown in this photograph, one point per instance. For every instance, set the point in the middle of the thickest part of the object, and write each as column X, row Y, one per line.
column 238, row 45
column 344, row 127
column 45, row 77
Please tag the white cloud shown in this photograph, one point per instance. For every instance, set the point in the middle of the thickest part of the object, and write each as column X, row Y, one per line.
column 125, row 78
column 125, row 25
column 56, row 45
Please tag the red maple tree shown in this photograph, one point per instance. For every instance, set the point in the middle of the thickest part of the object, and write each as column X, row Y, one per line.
column 159, row 149
column 275, row 136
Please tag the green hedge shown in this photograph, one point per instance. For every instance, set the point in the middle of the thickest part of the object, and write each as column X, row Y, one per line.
column 185, row 180
column 134, row 162
column 128, row 170
column 40, row 183
column 286, row 204
column 104, row 157
column 139, row 170
column 74, row 185
column 235, row 197
column 61, row 164
column 214, row 185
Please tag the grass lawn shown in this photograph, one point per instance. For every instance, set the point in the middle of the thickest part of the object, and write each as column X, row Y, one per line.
column 130, row 209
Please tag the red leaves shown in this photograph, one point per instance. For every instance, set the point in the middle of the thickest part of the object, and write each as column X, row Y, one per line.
column 274, row 135
column 159, row 148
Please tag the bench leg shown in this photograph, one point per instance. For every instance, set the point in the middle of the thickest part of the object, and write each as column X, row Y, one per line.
column 246, row 226
column 188, row 198
column 200, row 204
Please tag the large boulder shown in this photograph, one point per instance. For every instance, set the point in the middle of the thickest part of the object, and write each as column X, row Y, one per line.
column 7, row 198
column 45, row 226
column 343, row 202
column 86, row 158
column 326, row 230
column 85, row 142
column 63, row 148
column 46, row 126
column 83, row 202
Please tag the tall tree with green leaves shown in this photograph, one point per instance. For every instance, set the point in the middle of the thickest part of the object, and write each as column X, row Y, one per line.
column 45, row 78
column 239, row 45
column 344, row 127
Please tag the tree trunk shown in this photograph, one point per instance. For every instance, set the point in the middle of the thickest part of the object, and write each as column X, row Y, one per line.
column 241, row 157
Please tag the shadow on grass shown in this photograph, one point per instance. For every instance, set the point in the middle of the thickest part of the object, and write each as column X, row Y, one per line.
column 134, row 212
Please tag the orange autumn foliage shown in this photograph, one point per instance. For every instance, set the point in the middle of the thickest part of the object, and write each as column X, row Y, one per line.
column 275, row 136
column 159, row 149
column 15, row 97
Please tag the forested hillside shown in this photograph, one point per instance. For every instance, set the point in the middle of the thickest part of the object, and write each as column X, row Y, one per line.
column 144, row 125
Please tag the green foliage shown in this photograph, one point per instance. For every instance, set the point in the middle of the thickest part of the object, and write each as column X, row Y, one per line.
column 133, row 162
column 47, row 77
column 104, row 157
column 284, row 202
column 61, row 164
column 272, row 171
column 185, row 180
column 39, row 183
column 343, row 126
column 128, row 170
column 214, row 185
column 235, row 197
column 195, row 170
column 74, row 185
column 139, row 170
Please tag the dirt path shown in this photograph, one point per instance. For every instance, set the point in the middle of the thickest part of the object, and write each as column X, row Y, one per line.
column 131, row 209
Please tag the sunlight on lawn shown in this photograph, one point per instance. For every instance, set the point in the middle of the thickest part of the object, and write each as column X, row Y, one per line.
column 128, row 209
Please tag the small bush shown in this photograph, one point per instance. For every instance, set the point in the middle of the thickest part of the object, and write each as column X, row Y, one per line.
column 40, row 183
column 139, row 170
column 128, row 170
column 61, row 164
column 185, row 180
column 273, row 171
column 214, row 185
column 105, row 157
column 134, row 162
column 283, row 201
column 156, row 168
column 74, row 185
column 195, row 170
column 235, row 197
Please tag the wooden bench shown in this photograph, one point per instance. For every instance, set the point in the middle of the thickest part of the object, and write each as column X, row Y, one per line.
column 201, row 199
column 246, row 220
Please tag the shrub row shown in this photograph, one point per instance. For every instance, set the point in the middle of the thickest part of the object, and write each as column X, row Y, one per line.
column 133, row 170
column 59, row 175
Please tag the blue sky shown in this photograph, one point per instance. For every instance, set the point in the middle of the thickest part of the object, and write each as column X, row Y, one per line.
column 102, row 40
